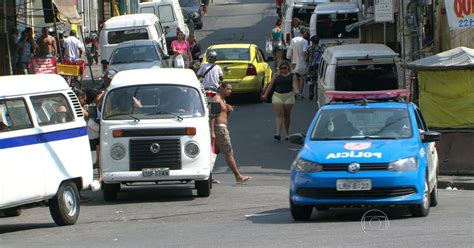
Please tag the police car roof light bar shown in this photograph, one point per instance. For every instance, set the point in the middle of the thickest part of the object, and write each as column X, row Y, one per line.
column 368, row 95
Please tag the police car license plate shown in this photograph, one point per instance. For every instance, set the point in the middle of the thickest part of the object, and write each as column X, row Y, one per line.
column 160, row 172
column 353, row 184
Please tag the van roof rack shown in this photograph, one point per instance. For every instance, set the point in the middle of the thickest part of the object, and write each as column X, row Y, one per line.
column 379, row 95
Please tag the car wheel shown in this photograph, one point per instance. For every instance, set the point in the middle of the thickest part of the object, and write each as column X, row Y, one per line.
column 12, row 212
column 65, row 206
column 299, row 212
column 109, row 191
column 434, row 193
column 423, row 209
column 203, row 187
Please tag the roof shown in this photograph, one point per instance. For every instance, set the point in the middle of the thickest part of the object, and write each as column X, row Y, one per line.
column 306, row 1
column 31, row 84
column 337, row 7
column 155, row 76
column 134, row 20
column 132, row 43
column 458, row 58
column 356, row 51
column 370, row 104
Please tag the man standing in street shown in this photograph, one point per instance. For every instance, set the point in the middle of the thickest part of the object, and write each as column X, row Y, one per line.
column 297, row 54
column 220, row 133
column 47, row 47
column 73, row 47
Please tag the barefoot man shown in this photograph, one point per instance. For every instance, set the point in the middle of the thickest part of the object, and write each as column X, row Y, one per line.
column 220, row 133
column 47, row 47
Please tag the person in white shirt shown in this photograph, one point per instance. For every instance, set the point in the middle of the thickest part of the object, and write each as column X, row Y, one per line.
column 73, row 47
column 296, row 52
column 211, row 73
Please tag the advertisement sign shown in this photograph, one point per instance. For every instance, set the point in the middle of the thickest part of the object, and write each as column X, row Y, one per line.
column 383, row 11
column 43, row 65
column 460, row 13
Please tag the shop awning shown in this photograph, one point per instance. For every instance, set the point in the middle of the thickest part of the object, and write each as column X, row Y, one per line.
column 459, row 58
column 67, row 11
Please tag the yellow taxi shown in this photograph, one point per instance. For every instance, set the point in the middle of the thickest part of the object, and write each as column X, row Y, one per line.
column 244, row 66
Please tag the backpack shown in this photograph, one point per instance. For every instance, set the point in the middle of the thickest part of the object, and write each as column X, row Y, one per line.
column 316, row 57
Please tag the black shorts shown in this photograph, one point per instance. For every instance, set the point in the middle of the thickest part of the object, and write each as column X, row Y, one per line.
column 205, row 2
column 93, row 144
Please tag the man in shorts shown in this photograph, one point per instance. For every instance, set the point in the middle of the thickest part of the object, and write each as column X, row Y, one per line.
column 205, row 4
column 296, row 52
column 220, row 133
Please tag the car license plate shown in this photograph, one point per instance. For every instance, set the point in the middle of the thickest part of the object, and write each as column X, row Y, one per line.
column 159, row 172
column 353, row 184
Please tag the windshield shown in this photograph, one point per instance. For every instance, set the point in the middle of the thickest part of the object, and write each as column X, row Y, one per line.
column 232, row 53
column 115, row 37
column 329, row 26
column 304, row 14
column 134, row 54
column 366, row 77
column 189, row 3
column 153, row 101
column 362, row 123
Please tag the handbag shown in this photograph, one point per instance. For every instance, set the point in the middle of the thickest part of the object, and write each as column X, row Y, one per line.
column 269, row 46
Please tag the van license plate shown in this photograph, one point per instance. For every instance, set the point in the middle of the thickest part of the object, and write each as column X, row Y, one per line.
column 353, row 184
column 159, row 172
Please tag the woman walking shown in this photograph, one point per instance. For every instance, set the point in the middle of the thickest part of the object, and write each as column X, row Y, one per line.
column 285, row 86
column 278, row 43
column 181, row 47
column 23, row 53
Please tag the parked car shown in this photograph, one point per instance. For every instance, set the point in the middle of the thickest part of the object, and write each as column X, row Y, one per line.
column 244, row 66
column 136, row 54
column 44, row 147
column 193, row 12
column 367, row 149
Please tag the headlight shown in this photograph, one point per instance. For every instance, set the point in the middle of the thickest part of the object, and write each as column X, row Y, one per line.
column 191, row 149
column 111, row 73
column 306, row 166
column 118, row 151
column 405, row 164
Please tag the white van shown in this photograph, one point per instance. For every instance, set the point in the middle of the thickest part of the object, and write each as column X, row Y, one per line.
column 130, row 27
column 301, row 9
column 359, row 67
column 44, row 147
column 155, row 129
column 170, row 14
column 329, row 21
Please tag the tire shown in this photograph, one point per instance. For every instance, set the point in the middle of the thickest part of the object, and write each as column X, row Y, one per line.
column 203, row 187
column 12, row 212
column 300, row 212
column 434, row 194
column 65, row 206
column 109, row 191
column 423, row 209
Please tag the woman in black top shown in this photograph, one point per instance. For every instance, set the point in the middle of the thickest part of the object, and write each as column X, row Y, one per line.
column 285, row 86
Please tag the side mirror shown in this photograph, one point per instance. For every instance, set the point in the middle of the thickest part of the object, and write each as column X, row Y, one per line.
column 430, row 136
column 297, row 138
column 215, row 108
column 167, row 30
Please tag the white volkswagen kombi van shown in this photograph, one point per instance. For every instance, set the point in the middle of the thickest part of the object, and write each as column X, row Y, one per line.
column 44, row 148
column 130, row 27
column 359, row 67
column 155, row 129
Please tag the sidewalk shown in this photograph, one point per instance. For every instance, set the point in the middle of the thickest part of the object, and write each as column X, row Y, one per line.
column 459, row 182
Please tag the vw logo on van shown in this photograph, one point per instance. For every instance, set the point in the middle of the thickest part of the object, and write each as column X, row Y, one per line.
column 155, row 148
column 353, row 167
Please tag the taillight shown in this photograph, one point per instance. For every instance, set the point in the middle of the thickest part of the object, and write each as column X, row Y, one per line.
column 251, row 70
column 288, row 38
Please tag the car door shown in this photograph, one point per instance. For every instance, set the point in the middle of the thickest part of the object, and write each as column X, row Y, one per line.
column 165, row 61
column 430, row 149
column 22, row 175
column 263, row 69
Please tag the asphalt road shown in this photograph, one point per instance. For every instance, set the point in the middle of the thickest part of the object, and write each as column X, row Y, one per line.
column 252, row 215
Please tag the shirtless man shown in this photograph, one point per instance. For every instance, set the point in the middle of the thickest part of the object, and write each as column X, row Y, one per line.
column 46, row 44
column 220, row 134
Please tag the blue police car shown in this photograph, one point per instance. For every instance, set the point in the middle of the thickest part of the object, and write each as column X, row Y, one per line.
column 365, row 149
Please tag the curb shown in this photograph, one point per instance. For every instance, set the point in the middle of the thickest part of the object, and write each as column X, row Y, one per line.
column 461, row 183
